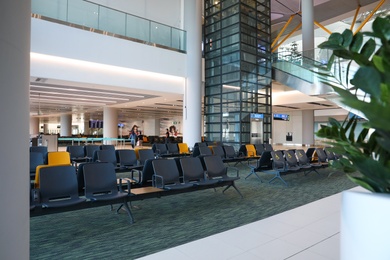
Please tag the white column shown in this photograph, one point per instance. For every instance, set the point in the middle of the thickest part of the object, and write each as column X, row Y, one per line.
column 87, row 130
column 15, row 19
column 193, row 87
column 110, row 123
column 45, row 128
column 34, row 126
column 307, row 25
column 66, row 125
column 308, row 127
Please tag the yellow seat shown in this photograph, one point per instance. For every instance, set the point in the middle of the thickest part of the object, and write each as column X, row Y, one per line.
column 250, row 150
column 58, row 158
column 136, row 149
column 53, row 159
column 183, row 148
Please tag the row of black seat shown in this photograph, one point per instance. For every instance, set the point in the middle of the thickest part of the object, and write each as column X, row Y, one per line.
column 60, row 184
column 287, row 161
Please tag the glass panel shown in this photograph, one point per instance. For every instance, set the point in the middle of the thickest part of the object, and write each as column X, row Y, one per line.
column 160, row 34
column 228, row 3
column 138, row 28
column 234, row 29
column 214, row 127
column 213, row 80
column 231, row 97
column 230, row 11
column 213, row 71
column 91, row 15
column 213, row 118
column 231, row 87
column 112, row 21
column 213, row 62
column 178, row 39
column 56, row 9
column 231, row 48
column 230, row 77
column 234, row 66
column 83, row 13
column 230, row 20
column 230, row 108
column 213, row 90
column 230, row 57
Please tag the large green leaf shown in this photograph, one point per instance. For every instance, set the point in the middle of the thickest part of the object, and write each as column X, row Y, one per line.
column 381, row 27
column 368, row 48
column 368, row 79
column 357, row 42
column 347, row 37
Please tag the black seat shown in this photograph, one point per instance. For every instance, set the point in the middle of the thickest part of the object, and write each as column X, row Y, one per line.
column 218, row 150
column 305, row 163
column 147, row 173
column 77, row 153
column 90, row 151
column 127, row 160
column 205, row 151
column 173, row 148
column 107, row 156
column 268, row 147
column 216, row 169
column 35, row 160
column 101, row 185
column 264, row 163
column 259, row 149
column 291, row 160
column 42, row 150
column 160, row 149
column 309, row 153
column 58, row 186
column 193, row 172
column 166, row 175
column 145, row 154
column 107, row 147
column 322, row 157
column 126, row 157
column 279, row 165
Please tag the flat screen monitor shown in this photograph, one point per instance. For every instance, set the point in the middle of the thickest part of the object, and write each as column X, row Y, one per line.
column 283, row 117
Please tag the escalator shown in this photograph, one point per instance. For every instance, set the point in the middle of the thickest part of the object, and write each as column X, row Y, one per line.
column 298, row 71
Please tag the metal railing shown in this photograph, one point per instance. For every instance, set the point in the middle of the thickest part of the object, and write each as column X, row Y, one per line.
column 97, row 18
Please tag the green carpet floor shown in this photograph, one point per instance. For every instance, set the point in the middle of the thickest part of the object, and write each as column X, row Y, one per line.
column 162, row 223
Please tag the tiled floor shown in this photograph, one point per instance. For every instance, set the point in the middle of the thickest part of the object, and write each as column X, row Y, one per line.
column 309, row 232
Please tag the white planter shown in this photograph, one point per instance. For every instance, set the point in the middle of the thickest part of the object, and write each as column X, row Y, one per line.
column 365, row 226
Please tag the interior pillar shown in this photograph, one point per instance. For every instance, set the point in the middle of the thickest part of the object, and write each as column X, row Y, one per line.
column 308, row 127
column 110, row 123
column 66, row 125
column 15, row 20
column 34, row 126
column 307, row 25
column 192, row 101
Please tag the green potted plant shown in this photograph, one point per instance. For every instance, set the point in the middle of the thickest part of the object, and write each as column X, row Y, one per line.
column 366, row 153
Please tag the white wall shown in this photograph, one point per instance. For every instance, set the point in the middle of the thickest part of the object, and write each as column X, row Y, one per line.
column 83, row 50
column 281, row 128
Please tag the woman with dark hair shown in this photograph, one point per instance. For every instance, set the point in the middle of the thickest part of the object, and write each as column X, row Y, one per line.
column 133, row 135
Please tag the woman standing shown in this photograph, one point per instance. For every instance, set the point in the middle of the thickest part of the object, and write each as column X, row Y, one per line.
column 133, row 135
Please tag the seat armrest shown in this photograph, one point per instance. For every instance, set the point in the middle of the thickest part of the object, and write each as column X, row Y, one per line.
column 128, row 186
column 158, row 181
column 35, row 196
column 235, row 169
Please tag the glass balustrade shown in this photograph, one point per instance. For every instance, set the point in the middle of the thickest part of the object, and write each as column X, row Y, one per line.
column 109, row 21
column 305, row 65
